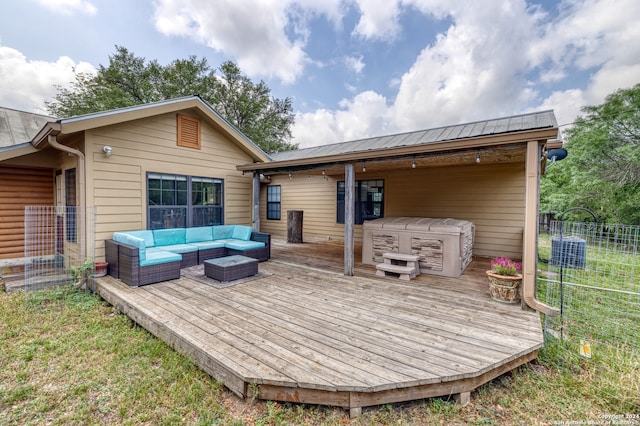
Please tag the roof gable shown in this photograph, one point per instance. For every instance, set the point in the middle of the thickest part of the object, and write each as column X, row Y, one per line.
column 121, row 115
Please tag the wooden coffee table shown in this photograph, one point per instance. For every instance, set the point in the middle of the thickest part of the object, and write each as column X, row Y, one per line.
column 230, row 268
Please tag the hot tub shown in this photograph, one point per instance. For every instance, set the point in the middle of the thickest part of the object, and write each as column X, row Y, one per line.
column 444, row 243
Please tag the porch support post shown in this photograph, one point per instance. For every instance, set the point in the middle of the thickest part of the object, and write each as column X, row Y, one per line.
column 256, row 202
column 349, row 218
column 530, row 236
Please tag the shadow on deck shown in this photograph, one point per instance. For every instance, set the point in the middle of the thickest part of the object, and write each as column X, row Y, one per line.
column 304, row 332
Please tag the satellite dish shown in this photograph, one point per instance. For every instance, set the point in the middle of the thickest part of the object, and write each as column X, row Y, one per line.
column 557, row 154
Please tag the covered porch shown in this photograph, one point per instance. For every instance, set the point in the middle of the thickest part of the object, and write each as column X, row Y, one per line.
column 304, row 332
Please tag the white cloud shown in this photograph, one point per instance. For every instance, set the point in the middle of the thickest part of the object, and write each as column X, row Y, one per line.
column 25, row 85
column 378, row 19
column 496, row 59
column 367, row 114
column 69, row 7
column 355, row 63
column 267, row 38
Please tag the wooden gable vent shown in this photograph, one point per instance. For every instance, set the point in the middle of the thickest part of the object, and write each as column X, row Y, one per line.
column 188, row 132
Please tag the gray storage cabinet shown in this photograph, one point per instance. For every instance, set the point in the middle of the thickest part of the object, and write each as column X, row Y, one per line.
column 444, row 244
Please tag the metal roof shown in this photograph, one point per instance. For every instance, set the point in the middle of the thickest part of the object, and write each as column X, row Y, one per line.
column 19, row 127
column 515, row 123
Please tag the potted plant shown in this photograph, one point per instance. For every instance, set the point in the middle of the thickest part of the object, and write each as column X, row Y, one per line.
column 101, row 269
column 504, row 280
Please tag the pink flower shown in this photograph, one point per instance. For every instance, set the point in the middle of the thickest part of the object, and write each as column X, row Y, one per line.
column 504, row 266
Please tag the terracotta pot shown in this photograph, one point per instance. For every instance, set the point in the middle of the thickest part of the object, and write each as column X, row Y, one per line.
column 504, row 288
column 100, row 269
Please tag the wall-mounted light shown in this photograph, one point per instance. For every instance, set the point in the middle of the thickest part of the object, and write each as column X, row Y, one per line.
column 478, row 157
column 364, row 166
column 413, row 163
column 107, row 150
column 290, row 177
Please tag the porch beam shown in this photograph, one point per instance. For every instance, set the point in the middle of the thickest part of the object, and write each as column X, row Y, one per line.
column 349, row 218
column 256, row 202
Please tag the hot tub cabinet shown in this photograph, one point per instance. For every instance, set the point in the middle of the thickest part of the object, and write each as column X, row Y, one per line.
column 443, row 244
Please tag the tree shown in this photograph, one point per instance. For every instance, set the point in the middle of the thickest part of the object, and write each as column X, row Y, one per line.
column 130, row 80
column 602, row 171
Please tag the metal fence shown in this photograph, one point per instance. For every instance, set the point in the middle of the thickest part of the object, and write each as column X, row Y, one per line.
column 55, row 245
column 591, row 273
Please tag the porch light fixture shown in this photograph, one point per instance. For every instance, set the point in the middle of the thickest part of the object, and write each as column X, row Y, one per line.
column 364, row 166
column 290, row 176
column 478, row 157
column 413, row 163
column 107, row 150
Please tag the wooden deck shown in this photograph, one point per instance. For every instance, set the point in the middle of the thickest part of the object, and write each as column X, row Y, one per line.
column 306, row 333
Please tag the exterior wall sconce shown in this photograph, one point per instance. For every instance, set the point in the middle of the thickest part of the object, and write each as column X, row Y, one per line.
column 290, row 176
column 107, row 150
column 364, row 166
column 478, row 157
column 413, row 163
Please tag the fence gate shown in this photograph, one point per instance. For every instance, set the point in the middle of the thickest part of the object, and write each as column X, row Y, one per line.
column 53, row 239
column 591, row 272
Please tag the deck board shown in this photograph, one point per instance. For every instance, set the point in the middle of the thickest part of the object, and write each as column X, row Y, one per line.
column 306, row 333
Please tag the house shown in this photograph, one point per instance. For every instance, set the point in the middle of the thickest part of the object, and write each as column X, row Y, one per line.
column 179, row 163
column 165, row 164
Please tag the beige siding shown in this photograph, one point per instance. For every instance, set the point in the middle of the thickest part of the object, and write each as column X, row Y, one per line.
column 490, row 196
column 116, row 185
column 312, row 194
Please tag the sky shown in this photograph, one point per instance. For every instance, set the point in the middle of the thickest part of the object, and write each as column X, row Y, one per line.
column 352, row 68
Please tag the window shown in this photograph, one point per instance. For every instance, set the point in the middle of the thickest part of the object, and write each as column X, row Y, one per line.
column 188, row 132
column 369, row 200
column 176, row 201
column 273, row 202
column 70, row 203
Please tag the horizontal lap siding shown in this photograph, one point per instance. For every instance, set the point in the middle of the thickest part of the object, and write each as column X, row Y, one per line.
column 490, row 196
column 312, row 194
column 117, row 184
column 20, row 187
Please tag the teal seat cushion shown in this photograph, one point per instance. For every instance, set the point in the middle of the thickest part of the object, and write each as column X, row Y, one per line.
column 171, row 236
column 160, row 257
column 241, row 232
column 243, row 245
column 128, row 239
column 199, row 234
column 204, row 245
column 222, row 232
column 174, row 248
column 147, row 236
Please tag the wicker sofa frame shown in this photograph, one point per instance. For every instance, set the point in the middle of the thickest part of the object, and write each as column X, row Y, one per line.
column 124, row 261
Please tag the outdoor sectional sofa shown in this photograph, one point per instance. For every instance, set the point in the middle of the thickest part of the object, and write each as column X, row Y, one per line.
column 149, row 256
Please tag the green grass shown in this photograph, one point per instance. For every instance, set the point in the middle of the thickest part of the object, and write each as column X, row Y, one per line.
column 67, row 357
